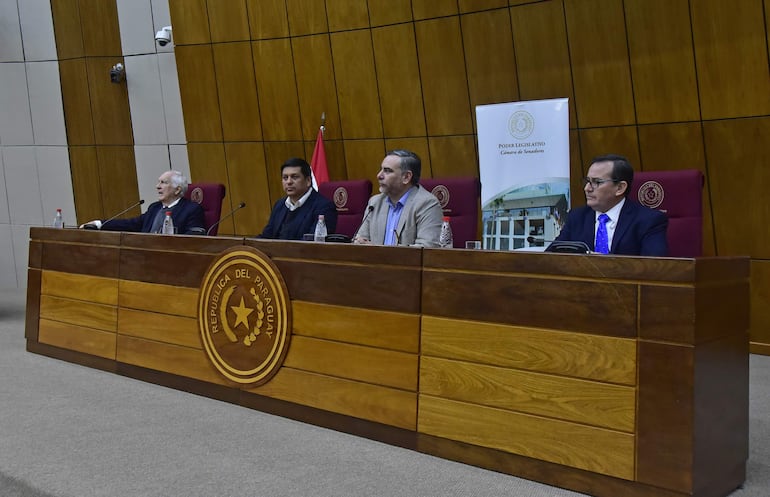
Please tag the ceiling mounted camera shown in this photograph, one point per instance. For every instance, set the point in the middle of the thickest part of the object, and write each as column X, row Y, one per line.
column 163, row 36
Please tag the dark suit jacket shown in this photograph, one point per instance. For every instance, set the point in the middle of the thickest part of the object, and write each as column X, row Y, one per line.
column 304, row 220
column 187, row 217
column 639, row 231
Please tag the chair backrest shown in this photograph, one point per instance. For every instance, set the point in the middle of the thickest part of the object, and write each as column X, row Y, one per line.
column 209, row 196
column 459, row 198
column 350, row 198
column 679, row 195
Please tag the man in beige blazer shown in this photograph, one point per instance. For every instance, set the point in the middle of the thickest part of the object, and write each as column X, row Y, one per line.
column 403, row 213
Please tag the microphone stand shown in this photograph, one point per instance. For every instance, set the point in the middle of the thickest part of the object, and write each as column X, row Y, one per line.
column 240, row 206
column 355, row 233
column 92, row 227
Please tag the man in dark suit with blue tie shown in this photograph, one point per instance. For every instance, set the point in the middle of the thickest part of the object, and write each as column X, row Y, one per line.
column 297, row 213
column 610, row 222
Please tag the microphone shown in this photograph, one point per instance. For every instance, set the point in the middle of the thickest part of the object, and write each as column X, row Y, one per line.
column 240, row 206
column 532, row 240
column 93, row 227
column 562, row 246
column 366, row 216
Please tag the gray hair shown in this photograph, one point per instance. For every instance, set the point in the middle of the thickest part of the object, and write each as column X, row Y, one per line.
column 410, row 161
column 179, row 180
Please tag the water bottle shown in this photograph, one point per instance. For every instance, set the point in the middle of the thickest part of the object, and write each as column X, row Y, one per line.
column 445, row 238
column 168, row 224
column 58, row 220
column 320, row 229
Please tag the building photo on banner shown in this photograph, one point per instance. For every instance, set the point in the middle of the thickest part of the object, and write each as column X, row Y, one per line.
column 524, row 172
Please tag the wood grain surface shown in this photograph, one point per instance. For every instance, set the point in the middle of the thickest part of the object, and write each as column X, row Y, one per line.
column 162, row 328
column 78, row 338
column 532, row 302
column 79, row 313
column 155, row 297
column 366, row 364
column 500, row 360
column 578, row 355
column 380, row 404
column 382, row 329
column 557, row 397
column 32, row 311
column 599, row 450
column 81, row 287
column 81, row 259
column 174, row 359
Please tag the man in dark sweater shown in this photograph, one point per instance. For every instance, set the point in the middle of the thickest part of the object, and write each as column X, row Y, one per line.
column 297, row 213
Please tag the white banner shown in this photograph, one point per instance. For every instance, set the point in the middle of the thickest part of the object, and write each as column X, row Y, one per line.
column 524, row 172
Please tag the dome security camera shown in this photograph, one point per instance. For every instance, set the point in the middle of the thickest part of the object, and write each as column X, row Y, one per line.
column 163, row 36
column 117, row 73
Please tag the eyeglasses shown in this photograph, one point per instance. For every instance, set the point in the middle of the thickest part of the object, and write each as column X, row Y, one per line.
column 596, row 182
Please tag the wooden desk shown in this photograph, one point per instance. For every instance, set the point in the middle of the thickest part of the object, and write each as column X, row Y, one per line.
column 606, row 375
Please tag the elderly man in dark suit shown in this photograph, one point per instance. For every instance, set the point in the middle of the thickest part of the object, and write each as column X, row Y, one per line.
column 610, row 222
column 186, row 215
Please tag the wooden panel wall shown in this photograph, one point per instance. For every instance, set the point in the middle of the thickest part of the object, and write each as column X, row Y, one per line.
column 96, row 111
column 656, row 80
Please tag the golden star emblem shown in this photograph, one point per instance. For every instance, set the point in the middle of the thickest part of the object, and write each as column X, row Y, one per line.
column 242, row 314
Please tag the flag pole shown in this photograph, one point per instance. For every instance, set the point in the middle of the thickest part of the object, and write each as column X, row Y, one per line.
column 318, row 165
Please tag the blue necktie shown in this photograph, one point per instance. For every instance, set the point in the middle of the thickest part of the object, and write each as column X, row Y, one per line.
column 602, row 240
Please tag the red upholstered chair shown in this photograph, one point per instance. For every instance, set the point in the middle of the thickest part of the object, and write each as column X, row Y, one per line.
column 210, row 196
column 679, row 195
column 459, row 198
column 350, row 198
